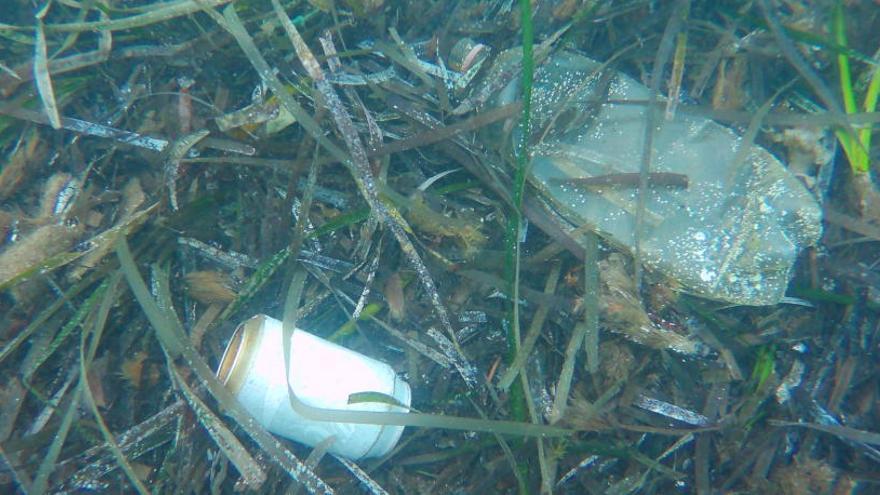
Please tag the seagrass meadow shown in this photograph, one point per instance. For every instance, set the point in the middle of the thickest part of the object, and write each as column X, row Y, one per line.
column 369, row 171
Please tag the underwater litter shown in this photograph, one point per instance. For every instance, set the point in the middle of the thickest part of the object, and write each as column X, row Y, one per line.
column 724, row 218
column 720, row 218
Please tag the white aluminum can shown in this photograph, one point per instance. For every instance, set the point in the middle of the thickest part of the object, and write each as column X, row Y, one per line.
column 322, row 375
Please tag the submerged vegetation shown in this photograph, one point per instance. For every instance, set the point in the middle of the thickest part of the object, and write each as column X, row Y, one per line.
column 170, row 169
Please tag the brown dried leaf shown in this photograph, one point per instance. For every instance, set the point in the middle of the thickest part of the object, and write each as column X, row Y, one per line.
column 394, row 296
column 133, row 197
column 35, row 247
column 210, row 287
column 624, row 314
column 20, row 163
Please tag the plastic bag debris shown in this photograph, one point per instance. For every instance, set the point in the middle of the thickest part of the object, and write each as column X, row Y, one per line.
column 726, row 229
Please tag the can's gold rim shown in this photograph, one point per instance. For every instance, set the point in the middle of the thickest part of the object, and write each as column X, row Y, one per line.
column 239, row 353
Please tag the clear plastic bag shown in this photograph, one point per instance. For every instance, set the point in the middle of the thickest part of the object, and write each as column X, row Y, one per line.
column 726, row 228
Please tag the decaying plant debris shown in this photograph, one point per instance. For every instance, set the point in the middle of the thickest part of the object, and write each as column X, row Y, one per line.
column 169, row 168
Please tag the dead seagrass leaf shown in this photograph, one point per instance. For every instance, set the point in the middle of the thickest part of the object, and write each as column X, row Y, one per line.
column 210, row 287
column 393, row 291
column 35, row 247
column 622, row 312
